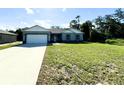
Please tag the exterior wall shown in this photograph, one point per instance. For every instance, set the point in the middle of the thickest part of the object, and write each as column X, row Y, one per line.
column 81, row 37
column 5, row 38
column 35, row 32
column 72, row 37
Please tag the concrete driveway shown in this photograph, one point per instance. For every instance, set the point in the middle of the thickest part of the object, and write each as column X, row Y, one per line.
column 21, row 64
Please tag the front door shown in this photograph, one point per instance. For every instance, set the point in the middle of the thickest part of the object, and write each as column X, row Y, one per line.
column 55, row 38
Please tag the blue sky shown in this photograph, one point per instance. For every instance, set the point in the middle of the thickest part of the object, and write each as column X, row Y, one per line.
column 13, row 18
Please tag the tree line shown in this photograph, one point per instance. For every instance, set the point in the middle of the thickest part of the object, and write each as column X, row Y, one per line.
column 101, row 28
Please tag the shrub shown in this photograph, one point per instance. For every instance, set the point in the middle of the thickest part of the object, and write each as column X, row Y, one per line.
column 115, row 41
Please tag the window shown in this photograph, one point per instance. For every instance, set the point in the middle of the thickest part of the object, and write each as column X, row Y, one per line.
column 67, row 37
column 77, row 37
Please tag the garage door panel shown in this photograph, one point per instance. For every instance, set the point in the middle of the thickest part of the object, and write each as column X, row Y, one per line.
column 36, row 39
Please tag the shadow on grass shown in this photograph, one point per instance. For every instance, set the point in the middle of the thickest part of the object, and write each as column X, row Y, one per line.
column 72, row 43
column 85, row 42
column 31, row 45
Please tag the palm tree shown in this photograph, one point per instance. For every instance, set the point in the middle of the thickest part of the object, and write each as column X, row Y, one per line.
column 78, row 21
column 73, row 24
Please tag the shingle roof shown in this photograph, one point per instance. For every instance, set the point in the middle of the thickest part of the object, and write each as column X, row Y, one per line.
column 6, row 32
column 28, row 29
column 38, row 26
column 68, row 30
column 56, row 31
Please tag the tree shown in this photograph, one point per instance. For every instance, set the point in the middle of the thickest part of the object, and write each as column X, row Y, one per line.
column 87, row 28
column 108, row 25
column 119, row 15
column 19, row 34
column 73, row 24
column 78, row 18
column 99, row 21
column 122, row 31
column 112, row 26
column 78, row 21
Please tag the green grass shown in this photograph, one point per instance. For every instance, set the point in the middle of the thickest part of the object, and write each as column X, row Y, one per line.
column 90, row 63
column 119, row 42
column 8, row 45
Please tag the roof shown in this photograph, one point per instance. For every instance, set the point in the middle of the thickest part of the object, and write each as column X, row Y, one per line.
column 6, row 32
column 67, row 30
column 56, row 31
column 70, row 30
column 25, row 28
column 33, row 28
column 52, row 30
column 37, row 26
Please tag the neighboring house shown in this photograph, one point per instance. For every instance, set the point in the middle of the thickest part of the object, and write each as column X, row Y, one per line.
column 38, row 34
column 7, row 37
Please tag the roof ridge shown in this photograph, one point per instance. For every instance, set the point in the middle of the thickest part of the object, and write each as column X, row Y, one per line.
column 36, row 26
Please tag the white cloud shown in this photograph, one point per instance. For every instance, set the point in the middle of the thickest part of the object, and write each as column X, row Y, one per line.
column 65, row 25
column 37, row 10
column 23, row 23
column 7, row 27
column 29, row 11
column 2, row 28
column 64, row 9
column 44, row 23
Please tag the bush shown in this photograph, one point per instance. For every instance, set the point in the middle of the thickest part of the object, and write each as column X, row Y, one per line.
column 119, row 42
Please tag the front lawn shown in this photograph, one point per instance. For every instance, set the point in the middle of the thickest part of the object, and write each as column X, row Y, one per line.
column 90, row 63
column 8, row 45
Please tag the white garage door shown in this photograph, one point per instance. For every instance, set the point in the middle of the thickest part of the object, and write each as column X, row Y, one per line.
column 36, row 39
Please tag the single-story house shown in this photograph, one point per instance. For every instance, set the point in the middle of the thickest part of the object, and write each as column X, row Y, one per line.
column 7, row 37
column 38, row 34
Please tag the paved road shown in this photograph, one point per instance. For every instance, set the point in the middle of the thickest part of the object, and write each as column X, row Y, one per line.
column 20, row 65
